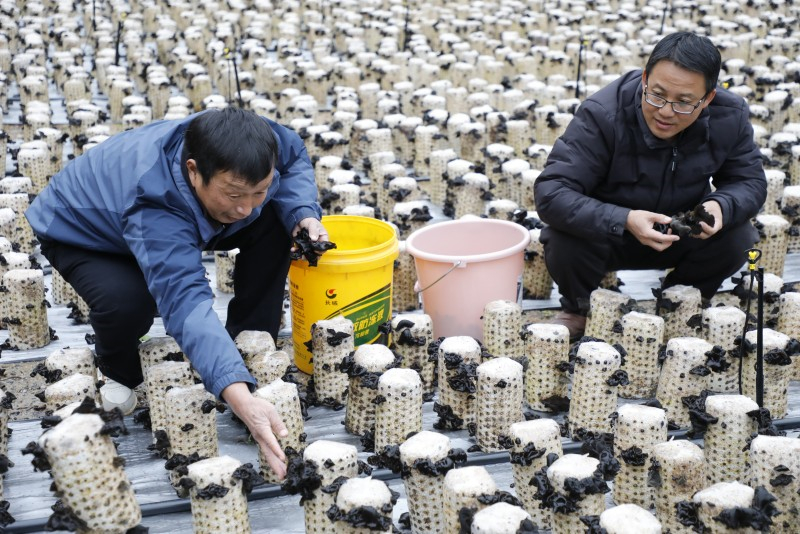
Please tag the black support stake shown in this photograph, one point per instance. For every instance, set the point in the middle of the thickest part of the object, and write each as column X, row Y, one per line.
column 760, row 341
column 116, row 47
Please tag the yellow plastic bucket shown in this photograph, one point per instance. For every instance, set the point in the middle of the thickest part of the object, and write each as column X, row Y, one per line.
column 354, row 280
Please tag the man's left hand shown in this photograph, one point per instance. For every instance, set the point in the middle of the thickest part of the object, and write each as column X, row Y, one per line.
column 712, row 207
column 316, row 231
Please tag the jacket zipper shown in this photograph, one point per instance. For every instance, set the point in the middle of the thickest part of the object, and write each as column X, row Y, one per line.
column 674, row 159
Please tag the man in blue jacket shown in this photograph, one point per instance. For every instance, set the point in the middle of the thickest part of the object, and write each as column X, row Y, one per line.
column 646, row 147
column 126, row 224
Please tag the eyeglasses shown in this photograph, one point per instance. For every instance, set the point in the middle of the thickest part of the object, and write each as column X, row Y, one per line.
column 683, row 108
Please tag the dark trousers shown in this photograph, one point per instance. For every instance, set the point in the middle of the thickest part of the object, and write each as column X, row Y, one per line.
column 578, row 265
column 122, row 309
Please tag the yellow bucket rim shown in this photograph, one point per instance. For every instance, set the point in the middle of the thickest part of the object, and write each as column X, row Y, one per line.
column 365, row 258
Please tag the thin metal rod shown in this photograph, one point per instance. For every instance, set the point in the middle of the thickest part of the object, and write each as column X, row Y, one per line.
column 116, row 47
column 238, row 86
column 760, row 341
column 578, row 74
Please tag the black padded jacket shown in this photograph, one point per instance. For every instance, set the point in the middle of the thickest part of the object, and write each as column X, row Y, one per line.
column 608, row 163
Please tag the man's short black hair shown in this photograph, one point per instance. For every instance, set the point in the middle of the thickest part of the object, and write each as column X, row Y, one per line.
column 231, row 140
column 690, row 51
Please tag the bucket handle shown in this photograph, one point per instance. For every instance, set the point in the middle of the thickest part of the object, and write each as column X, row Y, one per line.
column 450, row 270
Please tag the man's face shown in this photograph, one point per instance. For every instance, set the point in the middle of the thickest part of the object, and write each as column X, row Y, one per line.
column 227, row 198
column 668, row 81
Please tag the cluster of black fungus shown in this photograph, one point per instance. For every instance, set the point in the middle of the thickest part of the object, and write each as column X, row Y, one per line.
column 113, row 420
column 389, row 458
column 301, row 477
column 63, row 518
column 556, row 403
column 180, row 463
column 716, row 360
column 592, row 523
column 758, row 516
column 527, row 455
column 618, row 378
column 404, row 336
column 368, row 440
column 310, row 250
column 766, row 427
column 418, row 214
column 454, row 458
column 499, row 496
column 161, row 445
column 5, row 517
column 465, row 378
column 777, row 357
column 49, row 375
column 654, row 473
column 686, row 514
column 600, row 445
column 578, row 488
column 40, row 461
column 505, row 442
column 520, row 216
column 447, row 418
column 617, row 327
column 75, row 313
column 663, row 303
column 212, row 491
column 782, row 478
column 353, row 370
column 7, row 400
column 527, row 526
column 5, row 464
column 209, row 405
column 250, row 477
column 633, row 456
column 433, row 349
column 327, row 197
column 333, row 487
column 142, row 417
column 687, row 223
column 698, row 417
column 367, row 517
column 544, row 490
column 334, row 338
column 746, row 294
column 695, row 322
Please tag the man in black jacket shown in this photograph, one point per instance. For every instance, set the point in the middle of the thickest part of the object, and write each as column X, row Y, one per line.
column 650, row 145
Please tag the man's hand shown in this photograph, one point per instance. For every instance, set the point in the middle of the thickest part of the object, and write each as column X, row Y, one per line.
column 712, row 207
column 263, row 422
column 316, row 232
column 640, row 224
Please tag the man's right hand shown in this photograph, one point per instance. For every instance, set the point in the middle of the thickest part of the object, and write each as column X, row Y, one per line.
column 262, row 420
column 640, row 223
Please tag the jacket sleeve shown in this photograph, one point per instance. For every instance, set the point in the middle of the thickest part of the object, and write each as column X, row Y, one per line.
column 741, row 186
column 163, row 242
column 579, row 162
column 296, row 197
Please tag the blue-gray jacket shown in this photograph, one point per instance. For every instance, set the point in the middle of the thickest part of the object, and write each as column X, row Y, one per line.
column 128, row 195
column 608, row 163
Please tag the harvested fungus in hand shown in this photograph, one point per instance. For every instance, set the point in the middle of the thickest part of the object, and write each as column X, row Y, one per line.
column 310, row 250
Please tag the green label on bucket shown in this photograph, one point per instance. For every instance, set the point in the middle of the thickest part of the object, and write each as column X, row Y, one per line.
column 367, row 314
